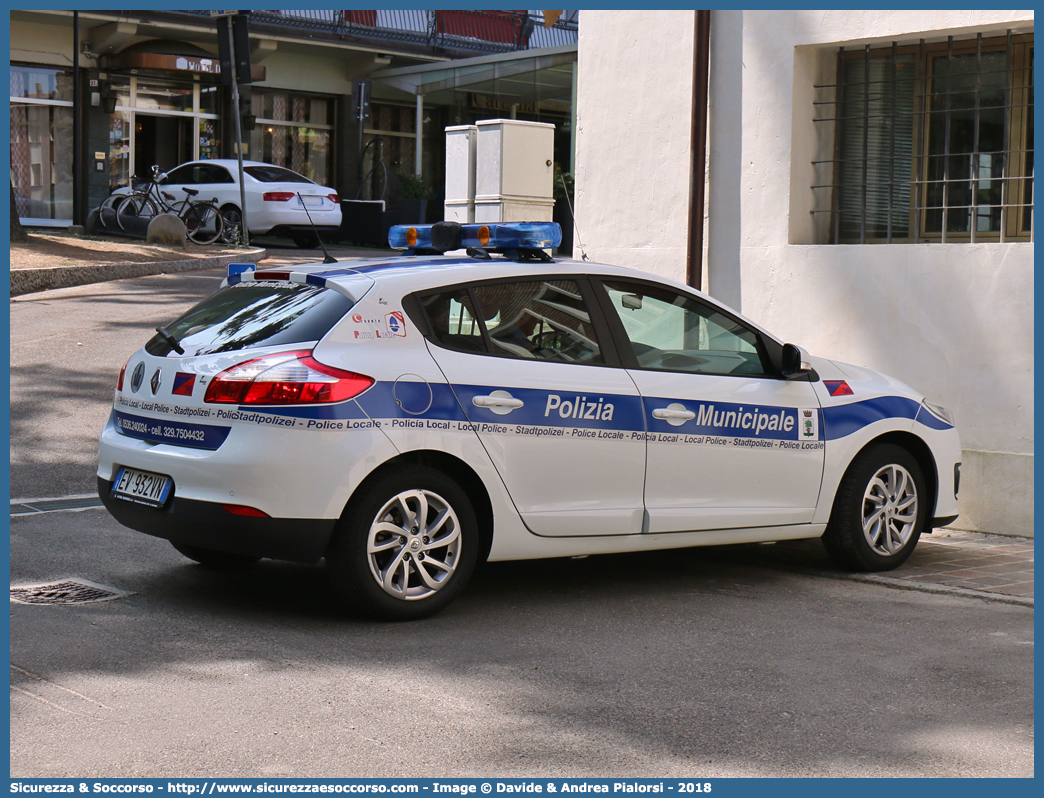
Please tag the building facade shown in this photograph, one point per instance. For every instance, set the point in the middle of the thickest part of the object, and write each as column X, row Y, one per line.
column 150, row 92
column 869, row 186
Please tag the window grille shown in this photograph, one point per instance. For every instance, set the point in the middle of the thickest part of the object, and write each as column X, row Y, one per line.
column 932, row 143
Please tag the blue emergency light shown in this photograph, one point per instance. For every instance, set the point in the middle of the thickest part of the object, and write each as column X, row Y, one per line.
column 493, row 237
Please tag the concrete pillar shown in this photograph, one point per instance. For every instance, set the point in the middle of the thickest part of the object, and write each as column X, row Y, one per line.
column 723, row 276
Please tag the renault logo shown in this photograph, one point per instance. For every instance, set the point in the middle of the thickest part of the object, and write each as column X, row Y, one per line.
column 155, row 381
column 137, row 377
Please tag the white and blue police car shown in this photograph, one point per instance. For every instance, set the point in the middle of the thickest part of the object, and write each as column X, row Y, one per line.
column 410, row 417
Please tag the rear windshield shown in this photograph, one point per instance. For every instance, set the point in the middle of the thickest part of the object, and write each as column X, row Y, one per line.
column 275, row 174
column 246, row 315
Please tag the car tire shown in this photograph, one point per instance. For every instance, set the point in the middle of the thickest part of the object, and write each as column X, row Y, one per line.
column 382, row 562
column 232, row 229
column 880, row 511
column 218, row 560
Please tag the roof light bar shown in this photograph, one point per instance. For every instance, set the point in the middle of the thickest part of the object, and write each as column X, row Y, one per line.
column 416, row 236
column 512, row 235
column 498, row 237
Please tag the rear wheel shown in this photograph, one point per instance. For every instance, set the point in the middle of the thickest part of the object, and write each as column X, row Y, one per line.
column 214, row 559
column 407, row 547
column 880, row 510
column 232, row 218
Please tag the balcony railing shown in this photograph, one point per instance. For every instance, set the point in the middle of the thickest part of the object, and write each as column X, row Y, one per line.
column 475, row 31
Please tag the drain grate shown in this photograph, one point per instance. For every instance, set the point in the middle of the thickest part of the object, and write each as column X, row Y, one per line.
column 67, row 591
column 33, row 506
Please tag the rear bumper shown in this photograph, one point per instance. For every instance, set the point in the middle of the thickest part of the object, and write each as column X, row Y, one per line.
column 208, row 525
column 291, row 230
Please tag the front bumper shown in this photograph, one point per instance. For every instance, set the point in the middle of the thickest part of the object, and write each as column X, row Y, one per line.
column 208, row 525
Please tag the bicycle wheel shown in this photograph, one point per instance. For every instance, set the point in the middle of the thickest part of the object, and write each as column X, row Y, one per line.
column 203, row 222
column 108, row 209
column 136, row 206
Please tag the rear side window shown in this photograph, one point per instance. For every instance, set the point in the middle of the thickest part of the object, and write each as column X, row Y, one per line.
column 248, row 315
column 275, row 174
column 453, row 321
column 533, row 320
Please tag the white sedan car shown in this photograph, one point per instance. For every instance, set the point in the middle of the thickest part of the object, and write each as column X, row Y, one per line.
column 410, row 417
column 276, row 198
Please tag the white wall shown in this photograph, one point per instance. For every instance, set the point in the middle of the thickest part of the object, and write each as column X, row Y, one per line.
column 634, row 95
column 955, row 321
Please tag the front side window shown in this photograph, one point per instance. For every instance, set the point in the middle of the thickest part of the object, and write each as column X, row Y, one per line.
column 669, row 331
column 183, row 176
column 933, row 143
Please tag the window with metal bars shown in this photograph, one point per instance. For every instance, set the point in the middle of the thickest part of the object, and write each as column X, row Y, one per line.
column 932, row 142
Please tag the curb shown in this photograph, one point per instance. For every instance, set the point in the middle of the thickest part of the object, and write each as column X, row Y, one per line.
column 29, row 281
column 925, row 587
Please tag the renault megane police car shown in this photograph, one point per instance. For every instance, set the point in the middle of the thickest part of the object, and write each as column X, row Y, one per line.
column 409, row 417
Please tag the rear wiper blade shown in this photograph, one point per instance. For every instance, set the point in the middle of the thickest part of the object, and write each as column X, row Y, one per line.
column 170, row 339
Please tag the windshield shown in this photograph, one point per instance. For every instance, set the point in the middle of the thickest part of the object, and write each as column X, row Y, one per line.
column 254, row 314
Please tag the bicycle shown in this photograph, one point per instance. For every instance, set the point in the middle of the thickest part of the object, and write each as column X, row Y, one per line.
column 204, row 223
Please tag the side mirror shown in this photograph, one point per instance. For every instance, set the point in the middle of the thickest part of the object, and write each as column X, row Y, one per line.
column 796, row 362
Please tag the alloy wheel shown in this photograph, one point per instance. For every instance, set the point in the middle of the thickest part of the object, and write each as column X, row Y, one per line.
column 889, row 509
column 413, row 545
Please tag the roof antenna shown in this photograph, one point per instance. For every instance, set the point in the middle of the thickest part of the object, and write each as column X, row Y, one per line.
column 329, row 258
column 583, row 255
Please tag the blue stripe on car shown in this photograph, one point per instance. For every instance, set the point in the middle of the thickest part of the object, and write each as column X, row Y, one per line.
column 630, row 413
column 162, row 430
column 839, row 421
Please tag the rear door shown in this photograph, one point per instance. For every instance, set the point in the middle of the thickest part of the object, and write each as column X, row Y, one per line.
column 561, row 421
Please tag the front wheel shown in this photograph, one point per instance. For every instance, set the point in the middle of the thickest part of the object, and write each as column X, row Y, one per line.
column 407, row 547
column 136, row 206
column 203, row 222
column 881, row 508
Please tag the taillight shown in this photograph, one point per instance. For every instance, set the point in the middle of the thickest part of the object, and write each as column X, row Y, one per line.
column 278, row 196
column 287, row 378
column 119, row 382
column 334, row 198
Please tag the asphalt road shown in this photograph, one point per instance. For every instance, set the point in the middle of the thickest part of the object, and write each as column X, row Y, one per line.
column 697, row 663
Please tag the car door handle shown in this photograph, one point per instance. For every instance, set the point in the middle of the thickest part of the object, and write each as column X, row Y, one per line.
column 499, row 399
column 667, row 413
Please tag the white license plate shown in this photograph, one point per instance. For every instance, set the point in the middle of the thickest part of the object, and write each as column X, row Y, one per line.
column 311, row 202
column 142, row 487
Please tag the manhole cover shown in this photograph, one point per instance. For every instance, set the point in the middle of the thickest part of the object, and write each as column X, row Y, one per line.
column 67, row 591
column 34, row 506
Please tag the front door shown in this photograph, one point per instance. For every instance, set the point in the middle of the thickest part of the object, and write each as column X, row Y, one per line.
column 730, row 445
column 562, row 426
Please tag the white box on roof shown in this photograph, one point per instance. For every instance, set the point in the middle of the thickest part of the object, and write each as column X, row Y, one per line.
column 514, row 159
